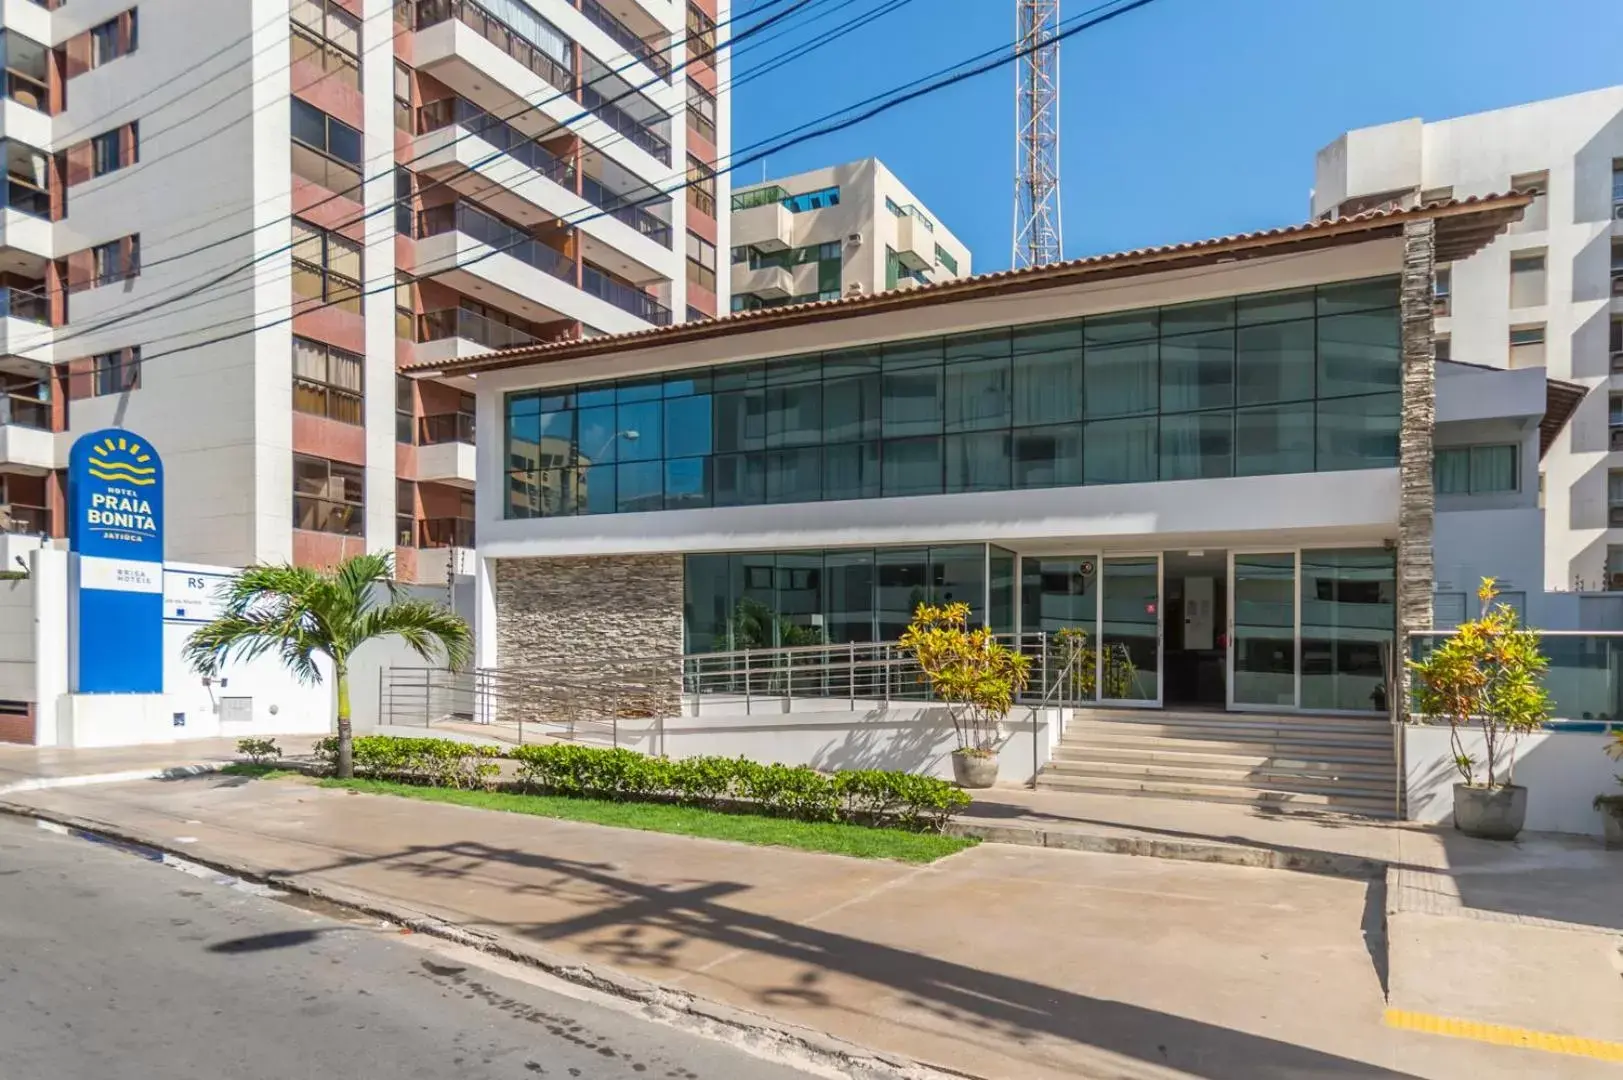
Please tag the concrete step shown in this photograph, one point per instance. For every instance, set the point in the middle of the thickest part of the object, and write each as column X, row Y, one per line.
column 1178, row 757
column 1273, row 798
column 1308, row 721
column 1088, row 739
column 1283, row 779
column 1080, row 728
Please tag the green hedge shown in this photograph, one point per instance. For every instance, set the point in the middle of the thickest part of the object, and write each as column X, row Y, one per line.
column 860, row 796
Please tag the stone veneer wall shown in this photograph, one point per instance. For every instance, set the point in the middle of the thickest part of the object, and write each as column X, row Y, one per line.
column 1417, row 499
column 596, row 621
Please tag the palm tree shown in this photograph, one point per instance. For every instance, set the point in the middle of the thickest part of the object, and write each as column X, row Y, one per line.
column 299, row 613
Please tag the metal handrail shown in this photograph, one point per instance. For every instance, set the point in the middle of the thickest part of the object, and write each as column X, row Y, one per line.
column 1066, row 676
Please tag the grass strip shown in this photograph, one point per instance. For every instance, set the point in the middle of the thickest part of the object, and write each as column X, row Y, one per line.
column 829, row 838
column 258, row 772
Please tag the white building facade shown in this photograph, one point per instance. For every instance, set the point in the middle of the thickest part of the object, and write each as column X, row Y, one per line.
column 228, row 226
column 1546, row 294
column 846, row 230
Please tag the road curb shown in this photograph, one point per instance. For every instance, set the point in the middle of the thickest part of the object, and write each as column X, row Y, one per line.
column 1327, row 863
column 678, row 1008
column 169, row 772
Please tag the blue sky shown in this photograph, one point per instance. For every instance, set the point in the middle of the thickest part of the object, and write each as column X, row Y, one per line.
column 1182, row 120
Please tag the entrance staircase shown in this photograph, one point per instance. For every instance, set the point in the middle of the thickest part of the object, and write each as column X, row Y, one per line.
column 1288, row 762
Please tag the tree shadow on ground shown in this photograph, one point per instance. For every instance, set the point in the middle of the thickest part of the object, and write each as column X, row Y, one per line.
column 646, row 927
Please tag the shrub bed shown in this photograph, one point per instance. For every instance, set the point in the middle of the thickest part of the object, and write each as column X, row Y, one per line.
column 859, row 796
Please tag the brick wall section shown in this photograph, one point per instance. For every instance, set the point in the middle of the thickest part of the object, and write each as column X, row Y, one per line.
column 1417, row 505
column 17, row 728
column 590, row 615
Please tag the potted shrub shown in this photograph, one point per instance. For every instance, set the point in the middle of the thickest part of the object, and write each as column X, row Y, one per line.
column 975, row 676
column 1611, row 806
column 1485, row 677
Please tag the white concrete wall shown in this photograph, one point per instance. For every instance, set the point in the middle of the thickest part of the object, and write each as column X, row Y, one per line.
column 829, row 735
column 17, row 640
column 1562, row 771
column 1575, row 140
column 196, row 184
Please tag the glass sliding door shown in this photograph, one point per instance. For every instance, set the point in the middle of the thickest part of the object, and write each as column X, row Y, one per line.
column 1262, row 647
column 1349, row 617
column 1130, row 630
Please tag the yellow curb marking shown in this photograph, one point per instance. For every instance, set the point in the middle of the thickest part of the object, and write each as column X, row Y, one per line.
column 1501, row 1035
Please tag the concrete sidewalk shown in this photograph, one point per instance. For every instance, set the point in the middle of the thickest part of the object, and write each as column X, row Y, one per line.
column 27, row 767
column 1002, row 961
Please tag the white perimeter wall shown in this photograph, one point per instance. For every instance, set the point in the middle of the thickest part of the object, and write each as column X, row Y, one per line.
column 1562, row 771
column 17, row 640
column 827, row 734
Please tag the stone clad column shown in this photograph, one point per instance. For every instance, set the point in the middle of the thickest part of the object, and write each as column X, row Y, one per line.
column 1417, row 500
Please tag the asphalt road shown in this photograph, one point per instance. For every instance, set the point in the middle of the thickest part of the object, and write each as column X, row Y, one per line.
column 113, row 967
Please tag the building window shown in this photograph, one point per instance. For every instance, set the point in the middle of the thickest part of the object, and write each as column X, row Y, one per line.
column 701, row 112
column 326, row 268
column 405, row 307
column 1527, row 346
column 701, row 187
column 1475, row 470
column 114, row 38
column 1617, row 182
column 1616, row 345
column 326, row 151
column 113, row 150
column 820, row 199
column 701, row 262
column 405, row 513
column 1527, row 280
column 402, row 98
column 944, row 258
column 405, row 411
column 1442, row 291
column 1614, row 498
column 1254, row 385
column 1442, row 347
column 118, row 371
column 328, row 38
column 701, row 32
column 1536, row 217
column 328, row 496
column 116, row 260
column 327, row 381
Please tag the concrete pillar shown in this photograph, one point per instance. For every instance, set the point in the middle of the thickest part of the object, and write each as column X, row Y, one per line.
column 48, row 569
column 1417, row 500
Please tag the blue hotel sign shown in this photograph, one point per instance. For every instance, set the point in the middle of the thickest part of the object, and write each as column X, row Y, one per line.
column 115, row 530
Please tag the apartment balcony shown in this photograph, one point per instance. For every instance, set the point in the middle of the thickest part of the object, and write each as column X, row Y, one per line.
column 445, row 548
column 627, row 38
column 27, row 443
column 915, row 242
column 455, row 334
column 484, row 257
column 766, row 225
column 505, row 68
column 445, row 449
column 17, row 519
column 767, row 282
column 25, row 322
column 504, row 168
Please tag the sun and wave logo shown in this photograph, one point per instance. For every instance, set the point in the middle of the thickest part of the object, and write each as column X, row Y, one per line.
column 122, row 461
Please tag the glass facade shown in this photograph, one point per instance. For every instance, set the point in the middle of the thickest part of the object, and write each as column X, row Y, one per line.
column 1299, row 381
column 767, row 599
column 1349, row 614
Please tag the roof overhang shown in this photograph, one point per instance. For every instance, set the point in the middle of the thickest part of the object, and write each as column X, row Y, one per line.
column 1463, row 227
column 1560, row 402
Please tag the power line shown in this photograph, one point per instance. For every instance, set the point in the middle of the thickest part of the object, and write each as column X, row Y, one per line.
column 220, row 278
column 877, row 107
column 524, row 107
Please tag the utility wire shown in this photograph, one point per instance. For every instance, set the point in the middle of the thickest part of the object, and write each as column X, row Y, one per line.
column 386, row 207
column 871, row 107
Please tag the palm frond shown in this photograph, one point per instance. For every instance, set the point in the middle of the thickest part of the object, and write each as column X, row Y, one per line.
column 430, row 630
column 250, row 636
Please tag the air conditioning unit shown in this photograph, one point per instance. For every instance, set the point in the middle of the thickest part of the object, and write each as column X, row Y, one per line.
column 1617, row 211
column 853, row 239
column 1617, row 363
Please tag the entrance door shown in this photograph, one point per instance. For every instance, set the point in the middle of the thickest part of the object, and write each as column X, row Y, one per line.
column 1130, row 630
column 1262, row 649
column 1194, row 593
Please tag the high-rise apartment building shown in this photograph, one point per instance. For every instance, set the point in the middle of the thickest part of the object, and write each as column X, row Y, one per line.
column 228, row 225
column 1549, row 293
column 841, row 231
